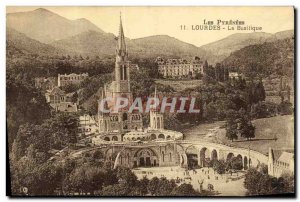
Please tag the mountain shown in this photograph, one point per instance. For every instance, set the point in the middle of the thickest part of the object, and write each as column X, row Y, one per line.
column 102, row 44
column 281, row 35
column 165, row 46
column 276, row 57
column 89, row 43
column 83, row 37
column 224, row 47
column 17, row 42
column 46, row 26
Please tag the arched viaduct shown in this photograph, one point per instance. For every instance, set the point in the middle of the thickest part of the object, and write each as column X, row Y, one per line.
column 177, row 153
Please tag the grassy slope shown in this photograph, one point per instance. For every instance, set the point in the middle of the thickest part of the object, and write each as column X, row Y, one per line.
column 267, row 128
column 179, row 85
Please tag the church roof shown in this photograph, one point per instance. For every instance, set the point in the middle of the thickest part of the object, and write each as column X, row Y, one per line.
column 56, row 90
column 286, row 157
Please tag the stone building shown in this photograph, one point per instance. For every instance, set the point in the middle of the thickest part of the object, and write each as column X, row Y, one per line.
column 66, row 79
column 178, row 68
column 88, row 125
column 60, row 101
column 235, row 75
column 280, row 162
column 44, row 83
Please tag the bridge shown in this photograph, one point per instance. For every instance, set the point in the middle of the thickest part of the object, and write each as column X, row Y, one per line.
column 158, row 149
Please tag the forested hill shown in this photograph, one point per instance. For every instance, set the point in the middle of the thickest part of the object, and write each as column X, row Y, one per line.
column 275, row 57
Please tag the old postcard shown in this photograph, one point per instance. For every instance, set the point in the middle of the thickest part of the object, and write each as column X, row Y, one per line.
column 150, row 101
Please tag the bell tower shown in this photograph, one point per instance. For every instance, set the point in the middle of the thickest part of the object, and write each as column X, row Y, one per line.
column 122, row 65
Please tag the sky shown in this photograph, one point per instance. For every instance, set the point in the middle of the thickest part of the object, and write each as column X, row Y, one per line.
column 141, row 22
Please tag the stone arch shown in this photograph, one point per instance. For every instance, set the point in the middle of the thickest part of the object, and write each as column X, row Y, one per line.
column 229, row 157
column 192, row 156
column 152, row 136
column 239, row 160
column 204, row 157
column 146, row 157
column 168, row 137
column 161, row 136
column 114, row 138
column 138, row 138
column 245, row 163
column 110, row 155
column 122, row 158
column 106, row 139
column 122, row 136
column 250, row 162
column 214, row 155
column 182, row 156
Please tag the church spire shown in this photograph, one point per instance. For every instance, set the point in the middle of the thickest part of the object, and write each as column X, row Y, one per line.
column 121, row 46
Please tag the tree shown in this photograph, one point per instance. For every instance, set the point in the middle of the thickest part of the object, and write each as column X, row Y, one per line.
column 115, row 190
column 63, row 127
column 231, row 130
column 219, row 166
column 165, row 187
column 260, row 183
column 39, row 179
column 236, row 163
column 246, row 129
column 86, row 179
column 285, row 108
column 184, row 190
column 24, row 105
column 153, row 186
column 144, row 182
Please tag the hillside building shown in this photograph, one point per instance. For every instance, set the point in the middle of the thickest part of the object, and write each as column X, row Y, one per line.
column 44, row 83
column 60, row 101
column 67, row 79
column 178, row 68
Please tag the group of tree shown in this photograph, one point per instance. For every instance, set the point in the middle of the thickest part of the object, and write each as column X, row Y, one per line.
column 52, row 67
column 276, row 57
column 239, row 123
column 89, row 175
column 24, row 105
column 219, row 73
column 56, row 133
column 258, row 183
column 222, row 166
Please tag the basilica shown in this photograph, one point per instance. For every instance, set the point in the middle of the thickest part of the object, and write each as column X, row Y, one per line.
column 116, row 124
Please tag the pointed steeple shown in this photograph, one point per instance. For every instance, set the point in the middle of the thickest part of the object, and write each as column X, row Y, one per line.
column 121, row 46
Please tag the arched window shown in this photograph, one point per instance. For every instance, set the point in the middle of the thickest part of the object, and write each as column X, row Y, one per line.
column 125, row 117
column 161, row 136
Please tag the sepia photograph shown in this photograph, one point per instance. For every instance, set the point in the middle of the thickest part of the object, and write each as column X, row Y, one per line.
column 150, row 101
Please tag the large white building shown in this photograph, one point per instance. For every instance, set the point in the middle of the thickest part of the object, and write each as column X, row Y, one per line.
column 177, row 68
